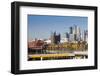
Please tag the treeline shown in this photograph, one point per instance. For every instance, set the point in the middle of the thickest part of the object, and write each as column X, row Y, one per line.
column 82, row 46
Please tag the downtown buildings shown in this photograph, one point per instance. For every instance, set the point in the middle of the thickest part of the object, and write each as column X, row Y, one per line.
column 74, row 35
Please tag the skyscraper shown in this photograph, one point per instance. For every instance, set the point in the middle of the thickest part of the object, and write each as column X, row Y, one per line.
column 85, row 35
column 75, row 33
column 71, row 37
column 55, row 39
column 67, row 35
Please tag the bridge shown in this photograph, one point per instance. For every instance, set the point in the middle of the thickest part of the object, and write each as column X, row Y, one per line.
column 47, row 56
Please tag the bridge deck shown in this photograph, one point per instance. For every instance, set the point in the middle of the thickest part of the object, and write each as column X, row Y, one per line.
column 51, row 55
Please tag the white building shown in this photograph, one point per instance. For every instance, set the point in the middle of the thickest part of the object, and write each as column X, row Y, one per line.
column 64, row 40
column 48, row 41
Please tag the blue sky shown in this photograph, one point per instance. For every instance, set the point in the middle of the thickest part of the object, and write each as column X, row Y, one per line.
column 41, row 26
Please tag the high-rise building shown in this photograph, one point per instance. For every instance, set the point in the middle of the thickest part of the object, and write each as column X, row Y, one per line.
column 67, row 36
column 85, row 35
column 77, row 29
column 75, row 33
column 71, row 30
column 71, row 37
column 55, row 39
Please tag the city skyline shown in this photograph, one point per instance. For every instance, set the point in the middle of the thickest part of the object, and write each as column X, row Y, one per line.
column 40, row 26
